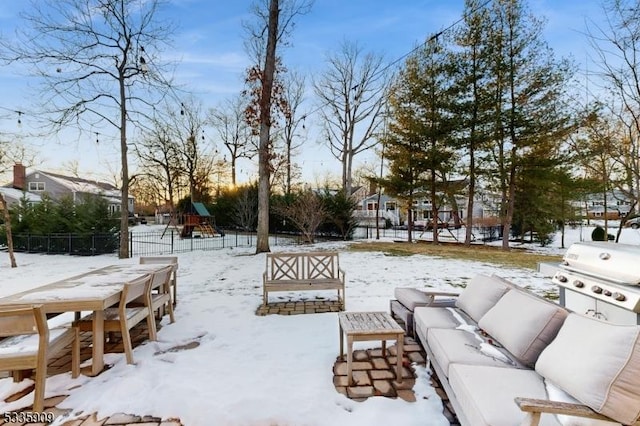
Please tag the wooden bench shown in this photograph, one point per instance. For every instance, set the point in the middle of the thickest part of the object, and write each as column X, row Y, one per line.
column 303, row 271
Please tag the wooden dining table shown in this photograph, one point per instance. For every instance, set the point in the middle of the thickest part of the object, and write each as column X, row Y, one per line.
column 94, row 291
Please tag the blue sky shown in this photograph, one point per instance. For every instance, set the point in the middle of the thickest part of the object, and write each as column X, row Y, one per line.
column 209, row 47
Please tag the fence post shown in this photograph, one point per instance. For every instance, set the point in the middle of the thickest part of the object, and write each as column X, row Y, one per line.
column 70, row 243
column 172, row 234
column 130, row 244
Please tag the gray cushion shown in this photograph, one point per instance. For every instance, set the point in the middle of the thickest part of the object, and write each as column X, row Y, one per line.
column 448, row 346
column 412, row 297
column 598, row 363
column 480, row 295
column 524, row 324
column 486, row 394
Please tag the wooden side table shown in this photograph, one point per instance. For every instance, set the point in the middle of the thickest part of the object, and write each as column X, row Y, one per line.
column 362, row 326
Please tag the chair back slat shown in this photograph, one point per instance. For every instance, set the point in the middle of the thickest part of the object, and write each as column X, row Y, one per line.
column 162, row 277
column 159, row 260
column 20, row 320
column 135, row 289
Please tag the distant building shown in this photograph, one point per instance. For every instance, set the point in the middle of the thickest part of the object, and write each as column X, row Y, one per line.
column 56, row 186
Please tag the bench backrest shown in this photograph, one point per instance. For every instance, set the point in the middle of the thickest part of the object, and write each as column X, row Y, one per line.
column 302, row 266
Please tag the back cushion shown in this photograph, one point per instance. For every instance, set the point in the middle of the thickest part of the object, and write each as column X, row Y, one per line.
column 524, row 324
column 598, row 363
column 480, row 295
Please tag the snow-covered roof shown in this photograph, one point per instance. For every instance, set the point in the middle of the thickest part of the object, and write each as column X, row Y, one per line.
column 80, row 185
column 18, row 194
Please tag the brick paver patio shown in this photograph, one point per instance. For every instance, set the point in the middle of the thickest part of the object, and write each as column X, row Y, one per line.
column 305, row 306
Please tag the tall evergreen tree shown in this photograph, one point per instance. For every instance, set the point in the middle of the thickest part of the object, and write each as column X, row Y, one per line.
column 528, row 88
column 418, row 141
column 474, row 97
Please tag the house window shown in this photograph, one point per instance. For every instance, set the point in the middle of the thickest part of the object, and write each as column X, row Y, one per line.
column 36, row 186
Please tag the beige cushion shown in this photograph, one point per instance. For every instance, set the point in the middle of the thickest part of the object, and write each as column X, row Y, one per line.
column 429, row 317
column 486, row 394
column 598, row 363
column 450, row 346
column 412, row 297
column 524, row 324
column 480, row 295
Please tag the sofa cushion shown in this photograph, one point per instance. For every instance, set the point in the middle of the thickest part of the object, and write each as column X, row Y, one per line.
column 412, row 297
column 524, row 324
column 449, row 346
column 425, row 318
column 485, row 394
column 598, row 363
column 480, row 295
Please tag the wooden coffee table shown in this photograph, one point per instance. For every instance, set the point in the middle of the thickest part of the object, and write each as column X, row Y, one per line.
column 361, row 326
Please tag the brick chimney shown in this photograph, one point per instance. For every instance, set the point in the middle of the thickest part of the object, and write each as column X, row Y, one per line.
column 19, row 176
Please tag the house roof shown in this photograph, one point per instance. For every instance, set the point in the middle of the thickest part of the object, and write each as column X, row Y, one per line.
column 17, row 194
column 76, row 184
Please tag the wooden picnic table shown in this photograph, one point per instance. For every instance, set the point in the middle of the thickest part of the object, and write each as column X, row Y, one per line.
column 93, row 291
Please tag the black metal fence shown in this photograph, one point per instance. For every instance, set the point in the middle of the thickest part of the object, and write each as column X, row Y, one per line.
column 76, row 244
column 140, row 243
column 169, row 241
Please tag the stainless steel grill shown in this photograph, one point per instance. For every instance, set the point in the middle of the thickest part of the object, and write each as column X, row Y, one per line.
column 601, row 279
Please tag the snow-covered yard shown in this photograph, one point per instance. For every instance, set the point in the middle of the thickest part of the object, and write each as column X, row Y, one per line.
column 249, row 369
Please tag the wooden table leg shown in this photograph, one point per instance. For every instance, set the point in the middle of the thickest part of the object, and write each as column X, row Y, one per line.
column 349, row 359
column 97, row 354
column 399, row 354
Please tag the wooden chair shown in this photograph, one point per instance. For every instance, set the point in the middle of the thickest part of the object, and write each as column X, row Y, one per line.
column 162, row 297
column 30, row 343
column 124, row 317
column 173, row 260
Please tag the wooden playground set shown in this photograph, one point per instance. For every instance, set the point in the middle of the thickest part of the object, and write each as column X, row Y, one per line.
column 195, row 223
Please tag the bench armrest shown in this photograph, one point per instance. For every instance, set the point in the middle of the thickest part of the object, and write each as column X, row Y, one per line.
column 535, row 407
column 341, row 274
column 440, row 293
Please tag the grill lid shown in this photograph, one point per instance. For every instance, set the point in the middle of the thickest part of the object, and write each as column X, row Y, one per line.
column 608, row 261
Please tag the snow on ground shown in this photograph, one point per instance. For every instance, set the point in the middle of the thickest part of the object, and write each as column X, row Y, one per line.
column 247, row 369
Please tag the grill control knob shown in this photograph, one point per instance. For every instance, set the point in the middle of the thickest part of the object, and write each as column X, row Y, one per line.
column 562, row 278
column 578, row 283
column 619, row 297
column 596, row 289
column 606, row 293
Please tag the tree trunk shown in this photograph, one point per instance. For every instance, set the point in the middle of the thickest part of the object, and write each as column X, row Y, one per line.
column 264, row 154
column 7, row 228
column 124, row 203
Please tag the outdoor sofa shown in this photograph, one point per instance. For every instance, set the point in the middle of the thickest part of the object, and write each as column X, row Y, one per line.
column 504, row 355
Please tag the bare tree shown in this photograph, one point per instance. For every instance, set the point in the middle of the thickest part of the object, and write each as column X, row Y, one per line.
column 245, row 208
column 196, row 160
column 352, row 92
column 159, row 158
column 10, row 154
column 616, row 47
column 293, row 120
column 92, row 57
column 277, row 20
column 229, row 122
column 307, row 213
